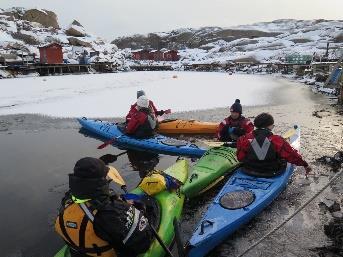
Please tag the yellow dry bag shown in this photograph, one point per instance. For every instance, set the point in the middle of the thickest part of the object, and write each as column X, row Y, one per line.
column 153, row 184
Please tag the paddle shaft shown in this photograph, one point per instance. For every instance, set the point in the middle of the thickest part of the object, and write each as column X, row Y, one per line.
column 121, row 154
column 160, row 240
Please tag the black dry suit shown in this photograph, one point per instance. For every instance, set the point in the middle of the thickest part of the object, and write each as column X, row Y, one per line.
column 261, row 158
column 108, row 226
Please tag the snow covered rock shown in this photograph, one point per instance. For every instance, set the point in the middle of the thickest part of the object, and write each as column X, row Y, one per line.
column 44, row 17
column 76, row 30
column 78, row 42
column 26, row 37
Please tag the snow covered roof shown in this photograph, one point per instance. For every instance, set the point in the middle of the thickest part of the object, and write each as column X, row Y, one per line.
column 323, row 63
column 50, row 44
column 136, row 51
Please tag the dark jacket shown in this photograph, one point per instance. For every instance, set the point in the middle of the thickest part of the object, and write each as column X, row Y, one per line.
column 265, row 154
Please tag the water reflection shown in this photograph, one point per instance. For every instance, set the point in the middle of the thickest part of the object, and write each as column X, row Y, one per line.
column 143, row 162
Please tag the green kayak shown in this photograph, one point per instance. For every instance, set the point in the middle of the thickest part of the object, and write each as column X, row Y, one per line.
column 171, row 205
column 210, row 169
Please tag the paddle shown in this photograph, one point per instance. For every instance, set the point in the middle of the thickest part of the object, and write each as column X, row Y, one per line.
column 114, row 174
column 108, row 158
column 109, row 142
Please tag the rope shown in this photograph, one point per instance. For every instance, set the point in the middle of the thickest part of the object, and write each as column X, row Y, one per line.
column 291, row 216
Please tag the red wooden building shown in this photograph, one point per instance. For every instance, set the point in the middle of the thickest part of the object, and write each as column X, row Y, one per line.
column 51, row 54
column 141, row 54
column 156, row 55
column 171, row 55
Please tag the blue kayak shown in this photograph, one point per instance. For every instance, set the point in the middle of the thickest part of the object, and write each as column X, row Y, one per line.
column 242, row 198
column 156, row 144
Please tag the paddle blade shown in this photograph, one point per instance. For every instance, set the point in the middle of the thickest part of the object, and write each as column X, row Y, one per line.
column 168, row 111
column 113, row 174
column 109, row 142
column 289, row 133
column 108, row 158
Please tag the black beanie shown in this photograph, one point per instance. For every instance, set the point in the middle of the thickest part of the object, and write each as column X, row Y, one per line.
column 263, row 120
column 90, row 167
column 236, row 107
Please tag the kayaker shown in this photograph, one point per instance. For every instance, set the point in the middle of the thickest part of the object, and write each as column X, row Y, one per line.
column 142, row 123
column 152, row 107
column 264, row 154
column 234, row 126
column 95, row 222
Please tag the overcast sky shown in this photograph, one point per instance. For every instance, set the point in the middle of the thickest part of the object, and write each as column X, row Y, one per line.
column 113, row 18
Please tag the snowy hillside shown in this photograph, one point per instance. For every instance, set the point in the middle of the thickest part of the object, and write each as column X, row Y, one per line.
column 266, row 41
column 23, row 30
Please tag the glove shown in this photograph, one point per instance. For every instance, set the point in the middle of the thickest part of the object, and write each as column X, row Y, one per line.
column 108, row 158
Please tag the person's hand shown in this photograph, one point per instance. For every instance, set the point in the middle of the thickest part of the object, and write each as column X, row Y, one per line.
column 308, row 170
column 108, row 158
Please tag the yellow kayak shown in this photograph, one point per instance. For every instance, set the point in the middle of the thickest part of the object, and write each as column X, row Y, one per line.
column 187, row 127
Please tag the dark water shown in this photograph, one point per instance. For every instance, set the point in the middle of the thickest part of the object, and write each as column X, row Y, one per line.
column 34, row 168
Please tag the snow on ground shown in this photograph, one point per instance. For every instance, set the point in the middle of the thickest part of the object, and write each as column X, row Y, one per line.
column 110, row 95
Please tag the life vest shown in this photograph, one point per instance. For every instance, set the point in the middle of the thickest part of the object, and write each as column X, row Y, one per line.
column 75, row 225
column 147, row 127
column 261, row 158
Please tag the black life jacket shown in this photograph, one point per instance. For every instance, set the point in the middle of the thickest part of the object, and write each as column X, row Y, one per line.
column 262, row 159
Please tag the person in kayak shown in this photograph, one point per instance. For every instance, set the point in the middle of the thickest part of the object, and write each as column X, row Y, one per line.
column 264, row 154
column 143, row 123
column 234, row 126
column 134, row 108
column 95, row 222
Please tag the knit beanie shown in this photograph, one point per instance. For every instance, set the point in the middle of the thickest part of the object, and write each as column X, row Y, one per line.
column 236, row 107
